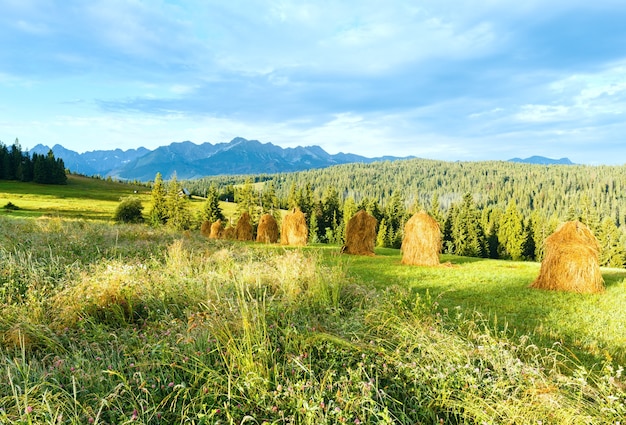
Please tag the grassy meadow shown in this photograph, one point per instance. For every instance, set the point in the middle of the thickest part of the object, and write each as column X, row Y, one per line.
column 82, row 198
column 113, row 324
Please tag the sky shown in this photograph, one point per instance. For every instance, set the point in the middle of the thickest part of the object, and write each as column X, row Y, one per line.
column 438, row 79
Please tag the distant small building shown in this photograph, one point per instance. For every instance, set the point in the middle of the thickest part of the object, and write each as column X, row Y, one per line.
column 185, row 192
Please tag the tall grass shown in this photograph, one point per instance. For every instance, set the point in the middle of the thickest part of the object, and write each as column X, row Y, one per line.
column 147, row 326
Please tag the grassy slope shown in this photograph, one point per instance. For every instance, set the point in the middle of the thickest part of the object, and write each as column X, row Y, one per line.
column 82, row 198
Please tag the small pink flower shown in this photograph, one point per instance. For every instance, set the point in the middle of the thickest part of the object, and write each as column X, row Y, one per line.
column 29, row 410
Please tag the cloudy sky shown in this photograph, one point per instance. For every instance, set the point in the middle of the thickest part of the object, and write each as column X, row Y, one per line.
column 445, row 79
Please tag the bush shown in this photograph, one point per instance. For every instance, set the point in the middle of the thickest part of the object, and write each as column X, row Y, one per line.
column 10, row 206
column 129, row 211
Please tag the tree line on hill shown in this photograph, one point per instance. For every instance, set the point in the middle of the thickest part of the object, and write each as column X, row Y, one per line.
column 20, row 166
column 485, row 209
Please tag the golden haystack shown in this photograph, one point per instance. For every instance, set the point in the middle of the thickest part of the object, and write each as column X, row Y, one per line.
column 205, row 228
column 571, row 261
column 294, row 230
column 229, row 233
column 217, row 231
column 421, row 244
column 267, row 232
column 360, row 234
column 244, row 230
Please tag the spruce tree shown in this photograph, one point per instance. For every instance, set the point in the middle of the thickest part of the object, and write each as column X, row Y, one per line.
column 178, row 216
column 158, row 213
column 211, row 210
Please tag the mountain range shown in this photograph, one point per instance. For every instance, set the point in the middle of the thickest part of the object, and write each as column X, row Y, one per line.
column 542, row 160
column 189, row 160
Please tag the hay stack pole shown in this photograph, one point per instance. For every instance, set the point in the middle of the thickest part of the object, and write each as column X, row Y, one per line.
column 267, row 231
column 571, row 261
column 244, row 230
column 216, row 230
column 360, row 234
column 294, row 230
column 421, row 244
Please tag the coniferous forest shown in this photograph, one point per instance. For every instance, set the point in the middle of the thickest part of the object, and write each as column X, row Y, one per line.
column 492, row 209
column 20, row 166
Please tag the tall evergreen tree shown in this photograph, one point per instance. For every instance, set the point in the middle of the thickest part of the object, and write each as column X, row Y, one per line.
column 158, row 214
column 178, row 215
column 211, row 211
column 467, row 232
column 511, row 233
column 612, row 252
column 247, row 199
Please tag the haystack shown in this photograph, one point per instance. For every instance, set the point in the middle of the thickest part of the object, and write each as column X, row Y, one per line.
column 205, row 228
column 244, row 230
column 216, row 230
column 267, row 232
column 421, row 244
column 360, row 234
column 571, row 261
column 294, row 230
column 229, row 233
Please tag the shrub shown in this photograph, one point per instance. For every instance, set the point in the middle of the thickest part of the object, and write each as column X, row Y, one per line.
column 10, row 206
column 129, row 211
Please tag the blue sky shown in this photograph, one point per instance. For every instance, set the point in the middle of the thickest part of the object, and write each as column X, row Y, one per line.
column 445, row 79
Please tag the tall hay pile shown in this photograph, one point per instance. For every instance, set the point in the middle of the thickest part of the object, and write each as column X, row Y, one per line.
column 267, row 232
column 294, row 230
column 244, row 230
column 571, row 261
column 205, row 228
column 229, row 232
column 421, row 244
column 360, row 234
column 217, row 231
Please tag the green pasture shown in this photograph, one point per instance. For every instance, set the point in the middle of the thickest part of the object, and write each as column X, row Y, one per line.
column 592, row 327
column 82, row 198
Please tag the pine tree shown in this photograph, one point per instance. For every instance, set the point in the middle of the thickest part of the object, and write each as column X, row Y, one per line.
column 467, row 232
column 211, row 210
column 313, row 229
column 612, row 253
column 158, row 214
column 178, row 216
column 511, row 233
column 382, row 238
column 246, row 198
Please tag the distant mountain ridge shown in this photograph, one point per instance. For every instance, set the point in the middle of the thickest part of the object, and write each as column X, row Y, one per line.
column 542, row 160
column 189, row 160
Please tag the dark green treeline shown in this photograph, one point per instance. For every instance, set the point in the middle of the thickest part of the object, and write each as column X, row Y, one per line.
column 488, row 209
column 20, row 166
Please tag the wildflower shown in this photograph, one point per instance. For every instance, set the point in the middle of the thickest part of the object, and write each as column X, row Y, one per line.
column 29, row 410
column 135, row 415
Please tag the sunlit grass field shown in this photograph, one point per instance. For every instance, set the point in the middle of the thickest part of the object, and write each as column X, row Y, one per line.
column 82, row 198
column 109, row 324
